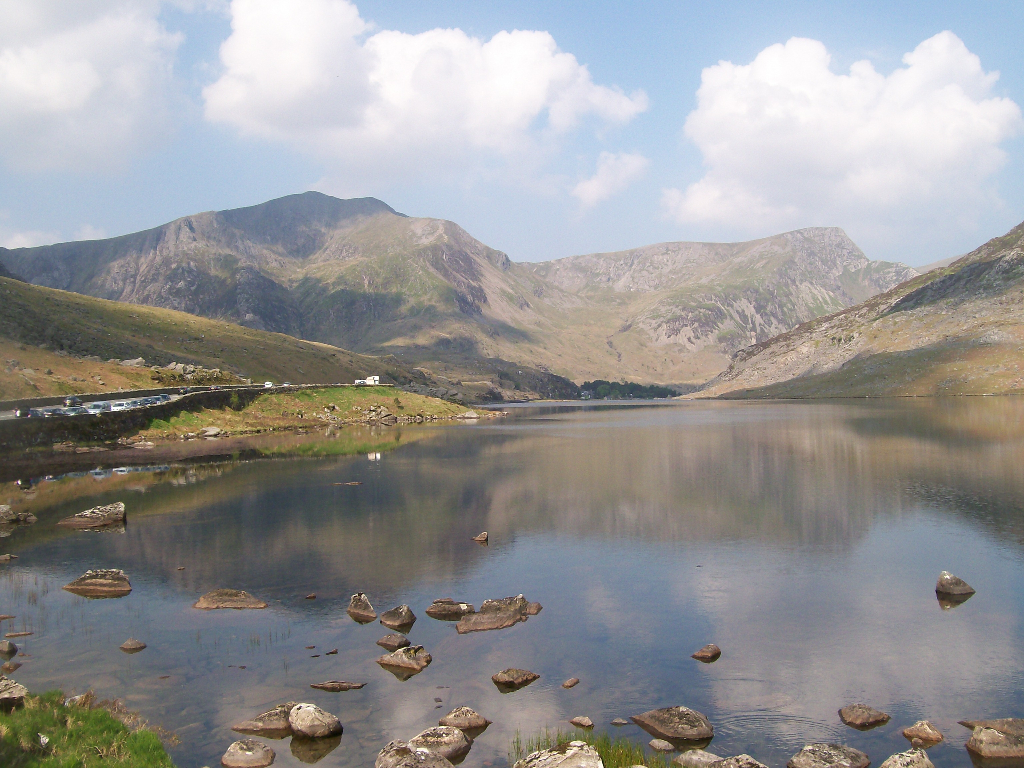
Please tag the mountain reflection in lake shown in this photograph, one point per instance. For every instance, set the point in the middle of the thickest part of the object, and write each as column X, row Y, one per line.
column 804, row 539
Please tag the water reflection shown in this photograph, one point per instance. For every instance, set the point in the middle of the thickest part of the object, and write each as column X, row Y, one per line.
column 804, row 539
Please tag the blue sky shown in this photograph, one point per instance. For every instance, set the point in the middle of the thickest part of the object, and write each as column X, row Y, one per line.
column 544, row 129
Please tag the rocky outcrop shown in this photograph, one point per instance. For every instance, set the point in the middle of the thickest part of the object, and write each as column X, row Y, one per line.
column 708, row 653
column 97, row 517
column 446, row 609
column 829, row 756
column 108, row 582
column 360, row 610
column 248, row 753
column 445, row 740
column 235, row 599
column 498, row 614
column 12, row 694
column 1001, row 739
column 922, row 733
column 273, row 723
column 406, row 662
column 312, row 722
column 513, row 679
column 695, row 758
column 336, row 686
column 575, row 754
column 465, row 719
column 862, row 717
column 398, row 754
column 675, row 724
column 914, row 758
column 401, row 618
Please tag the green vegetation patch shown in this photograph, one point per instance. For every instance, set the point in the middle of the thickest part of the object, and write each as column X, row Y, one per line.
column 625, row 390
column 618, row 752
column 79, row 737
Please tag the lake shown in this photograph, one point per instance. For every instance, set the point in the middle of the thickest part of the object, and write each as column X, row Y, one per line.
column 805, row 539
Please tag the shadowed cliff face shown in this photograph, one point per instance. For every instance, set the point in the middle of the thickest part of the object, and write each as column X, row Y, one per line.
column 358, row 274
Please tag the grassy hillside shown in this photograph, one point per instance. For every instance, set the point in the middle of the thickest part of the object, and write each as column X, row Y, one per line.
column 958, row 329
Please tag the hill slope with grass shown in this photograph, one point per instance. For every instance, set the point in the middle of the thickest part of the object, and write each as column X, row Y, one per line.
column 359, row 275
column 958, row 329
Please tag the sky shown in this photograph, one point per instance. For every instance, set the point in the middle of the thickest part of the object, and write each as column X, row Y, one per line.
column 544, row 129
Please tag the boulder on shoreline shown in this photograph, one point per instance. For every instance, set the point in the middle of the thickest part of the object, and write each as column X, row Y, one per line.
column 272, row 724
column 829, row 756
column 337, row 686
column 924, row 732
column 9, row 517
column 360, row 610
column 575, row 754
column 235, row 599
column 446, row 609
column 862, row 717
column 97, row 517
column 513, row 679
column 675, row 724
column 1001, row 739
column 708, row 653
column 398, row 754
column 312, row 722
column 102, row 582
column 914, row 758
column 582, row 721
column 401, row 618
column 445, row 740
column 739, row 761
column 498, row 614
column 660, row 745
column 12, row 694
column 695, row 758
column 394, row 642
column 248, row 753
column 406, row 662
column 465, row 719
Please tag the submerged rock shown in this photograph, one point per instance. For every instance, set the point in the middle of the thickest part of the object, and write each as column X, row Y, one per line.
column 393, row 642
column 312, row 750
column 235, row 599
column 97, row 517
column 708, row 653
column 1001, row 739
column 312, row 722
column 248, row 753
column 575, row 754
column 465, row 719
column 406, row 662
column 582, row 722
column 660, row 745
column 12, row 694
column 498, row 614
column 513, row 679
column 445, row 740
column 401, row 618
column 131, row 645
column 829, row 756
column 103, row 582
column 923, row 731
column 740, row 761
column 336, row 686
column 572, row 682
column 446, row 609
column 862, row 717
column 695, row 758
column 398, row 754
column 675, row 724
column 360, row 610
column 618, row 721
column 273, row 723
column 914, row 758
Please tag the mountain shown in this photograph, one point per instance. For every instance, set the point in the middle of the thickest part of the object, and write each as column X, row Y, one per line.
column 958, row 329
column 358, row 274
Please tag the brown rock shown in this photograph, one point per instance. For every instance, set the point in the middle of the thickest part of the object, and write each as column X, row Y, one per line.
column 312, row 750
column 862, row 717
column 582, row 722
column 248, row 753
column 9, row 666
column 513, row 679
column 923, row 731
column 394, row 642
column 312, row 722
column 445, row 740
column 131, row 645
column 398, row 754
column 572, row 682
column 997, row 739
column 708, row 653
column 498, row 614
column 914, row 758
column 97, row 517
column 675, row 724
column 360, row 610
column 228, row 598
column 481, row 538
column 618, row 721
column 695, row 758
column 660, row 745
column 336, row 686
column 104, row 582
column 464, row 719
column 12, row 694
column 401, row 618
column 406, row 662
column 829, row 756
column 273, row 723
column 949, row 585
column 7, row 649
column 446, row 609
column 575, row 754
column 740, row 761
column 311, row 596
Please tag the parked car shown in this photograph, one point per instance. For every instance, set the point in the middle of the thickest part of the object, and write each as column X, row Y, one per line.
column 119, row 405
column 71, row 400
column 54, row 411
column 77, row 410
column 164, row 398
column 22, row 413
column 100, row 406
column 268, row 385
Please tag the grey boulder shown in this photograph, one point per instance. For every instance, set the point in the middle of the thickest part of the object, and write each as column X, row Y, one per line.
column 949, row 585
column 235, row 599
column 923, row 732
column 996, row 739
column 273, row 723
column 97, row 517
column 398, row 754
column 660, row 745
column 740, row 761
column 401, row 618
column 695, row 758
column 445, row 740
column 465, row 719
column 248, row 753
column 394, row 642
column 829, row 756
column 446, row 609
column 582, row 721
column 513, row 679
column 103, row 582
column 862, row 717
column 406, row 662
column 131, row 645
column 312, row 722
column 708, row 653
column 12, row 694
column 575, row 754
column 913, row 758
column 675, row 724
column 498, row 614
column 360, row 610
column 7, row 649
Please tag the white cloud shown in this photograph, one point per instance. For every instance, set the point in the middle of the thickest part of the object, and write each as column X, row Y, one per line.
column 310, row 73
column 89, row 232
column 27, row 238
column 614, row 174
column 81, row 84
column 787, row 142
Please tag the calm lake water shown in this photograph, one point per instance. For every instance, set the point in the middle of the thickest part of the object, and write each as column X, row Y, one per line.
column 804, row 539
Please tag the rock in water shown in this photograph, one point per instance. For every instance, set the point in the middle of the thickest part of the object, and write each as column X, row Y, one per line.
column 97, row 517
column 708, row 653
column 583, row 722
column 675, row 724
column 12, row 694
column 740, row 761
column 312, row 722
column 696, row 758
column 464, row 719
column 498, row 614
column 618, row 721
column 829, row 756
column 228, row 598
column 248, row 753
column 131, row 645
column 360, row 610
column 914, row 758
column 481, row 538
column 660, row 745
column 446, row 609
column 104, row 582
column 401, row 618
column 996, row 739
column 7, row 649
column 445, row 740
column 336, row 686
column 924, row 731
column 862, row 717
column 406, row 662
column 398, row 754
column 512, row 679
column 949, row 585
column 273, row 723
column 575, row 754
column 572, row 682
column 313, row 750
column 393, row 642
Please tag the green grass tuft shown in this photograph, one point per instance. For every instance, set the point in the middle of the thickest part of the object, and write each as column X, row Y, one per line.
column 618, row 752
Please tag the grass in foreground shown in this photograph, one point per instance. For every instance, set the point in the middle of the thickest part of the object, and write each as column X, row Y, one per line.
column 618, row 752
column 79, row 738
